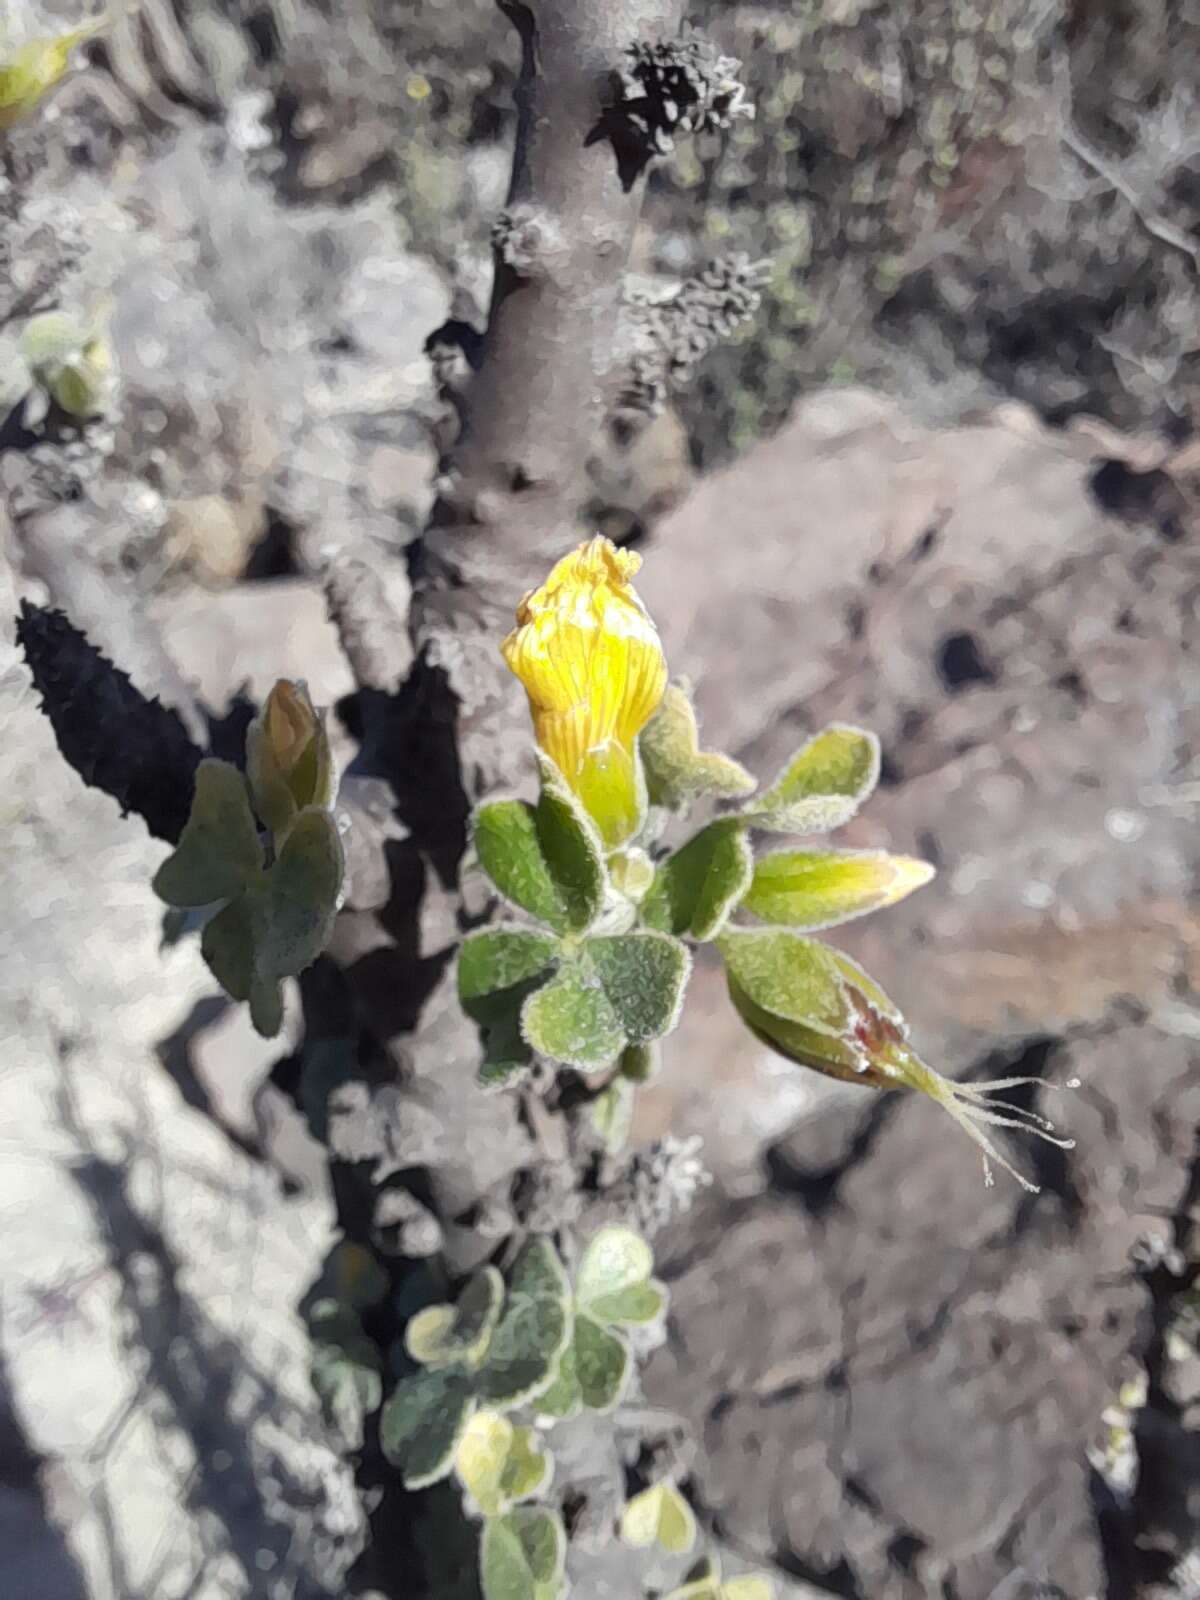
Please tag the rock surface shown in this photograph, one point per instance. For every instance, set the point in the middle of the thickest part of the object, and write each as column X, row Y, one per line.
column 897, row 1372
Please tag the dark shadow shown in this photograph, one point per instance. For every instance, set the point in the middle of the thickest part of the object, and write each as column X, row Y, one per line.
column 35, row 1562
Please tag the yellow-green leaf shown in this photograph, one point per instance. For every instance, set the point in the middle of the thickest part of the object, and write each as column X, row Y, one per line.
column 659, row 1515
column 677, row 770
column 822, row 786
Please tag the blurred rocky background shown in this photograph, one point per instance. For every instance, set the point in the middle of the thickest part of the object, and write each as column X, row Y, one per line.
column 943, row 484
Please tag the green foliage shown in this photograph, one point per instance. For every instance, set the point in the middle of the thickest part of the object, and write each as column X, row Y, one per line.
column 678, row 772
column 510, row 852
column 346, row 1371
column 523, row 1555
column 458, row 1335
column 659, row 1515
column 810, row 889
column 695, row 889
column 500, row 1464
column 488, row 1349
column 705, row 1583
column 613, row 1288
column 219, row 853
column 272, row 910
column 822, row 786
column 423, row 1423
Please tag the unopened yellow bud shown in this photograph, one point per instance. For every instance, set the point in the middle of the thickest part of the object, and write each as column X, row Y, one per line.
column 592, row 665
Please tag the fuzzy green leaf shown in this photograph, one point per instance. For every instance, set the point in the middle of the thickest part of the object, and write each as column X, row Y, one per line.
column 695, row 889
column 500, row 1464
column 227, row 945
column 677, row 770
column 533, row 1331
column 822, row 786
column 602, row 1363
column 300, row 896
column 615, row 1259
column 510, row 852
column 423, row 1422
column 496, row 960
column 570, row 1019
column 442, row 1335
column 563, row 1398
column 810, row 889
column 219, row 852
column 644, row 976
column 661, row 1515
column 522, row 1556
column 572, row 849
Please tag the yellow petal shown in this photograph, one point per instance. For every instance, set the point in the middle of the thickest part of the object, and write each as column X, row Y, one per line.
column 590, row 660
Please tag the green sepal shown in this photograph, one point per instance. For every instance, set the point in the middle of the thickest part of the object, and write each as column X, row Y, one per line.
column 522, row 1555
column 677, row 770
column 423, row 1421
column 659, row 1515
column 522, row 1357
column 811, row 889
column 696, row 888
column 572, row 849
column 444, row 1335
column 219, row 852
column 822, row 786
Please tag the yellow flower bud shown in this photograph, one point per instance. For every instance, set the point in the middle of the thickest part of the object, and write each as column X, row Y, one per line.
column 288, row 759
column 592, row 665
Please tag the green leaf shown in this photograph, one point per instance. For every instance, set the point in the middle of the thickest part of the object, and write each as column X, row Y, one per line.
column 602, row 1363
column 615, row 1259
column 499, row 1464
column 300, row 896
column 510, row 852
column 459, row 1334
column 496, row 960
column 661, row 1515
column 611, row 1113
column 227, row 945
column 219, row 851
column 348, row 1389
column 810, row 889
column 639, row 1302
column 644, row 976
column 708, row 1585
column 822, row 786
column 522, row 1555
column 677, row 771
column 532, row 1334
column 570, row 1019
column 572, row 849
column 563, row 1398
column 498, row 968
column 789, row 976
column 695, row 889
column 423, row 1422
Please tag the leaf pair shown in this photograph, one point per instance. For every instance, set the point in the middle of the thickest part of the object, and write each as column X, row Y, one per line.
column 500, row 1464
column 659, row 1515
column 706, row 1583
column 489, row 1350
column 580, row 1004
column 276, row 920
column 613, row 1290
